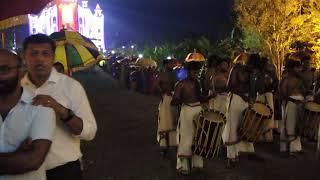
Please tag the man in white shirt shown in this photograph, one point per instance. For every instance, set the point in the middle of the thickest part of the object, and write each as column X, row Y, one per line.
column 75, row 120
column 21, row 123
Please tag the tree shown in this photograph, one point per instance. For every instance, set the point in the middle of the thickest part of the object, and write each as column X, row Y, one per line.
column 252, row 41
column 278, row 24
column 225, row 48
column 201, row 44
column 179, row 50
column 159, row 52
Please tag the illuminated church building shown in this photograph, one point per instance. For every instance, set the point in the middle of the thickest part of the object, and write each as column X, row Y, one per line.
column 71, row 15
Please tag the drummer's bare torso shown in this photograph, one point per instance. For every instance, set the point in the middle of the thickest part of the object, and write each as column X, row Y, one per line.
column 165, row 83
column 238, row 82
column 219, row 82
column 307, row 77
column 186, row 92
column 264, row 83
column 292, row 86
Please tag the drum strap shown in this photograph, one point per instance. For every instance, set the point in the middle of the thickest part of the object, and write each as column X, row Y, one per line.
column 230, row 100
column 266, row 99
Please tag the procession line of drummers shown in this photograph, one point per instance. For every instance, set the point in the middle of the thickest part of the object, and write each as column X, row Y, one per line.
column 235, row 106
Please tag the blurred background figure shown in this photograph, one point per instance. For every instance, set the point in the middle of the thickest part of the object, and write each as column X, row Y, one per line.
column 59, row 67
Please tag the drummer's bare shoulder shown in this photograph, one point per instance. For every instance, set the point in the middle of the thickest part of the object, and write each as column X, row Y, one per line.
column 237, row 70
column 220, row 81
column 307, row 77
column 291, row 85
column 242, row 75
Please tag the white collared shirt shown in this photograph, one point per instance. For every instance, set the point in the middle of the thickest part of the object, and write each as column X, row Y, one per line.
column 70, row 94
column 26, row 121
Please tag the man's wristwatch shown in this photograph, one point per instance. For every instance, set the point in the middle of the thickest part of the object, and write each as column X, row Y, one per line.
column 70, row 116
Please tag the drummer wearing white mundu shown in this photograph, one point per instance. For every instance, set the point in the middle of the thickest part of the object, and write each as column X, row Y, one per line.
column 292, row 94
column 239, row 85
column 187, row 94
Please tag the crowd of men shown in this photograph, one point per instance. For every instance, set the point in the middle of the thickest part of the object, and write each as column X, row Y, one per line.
column 232, row 88
column 44, row 115
column 134, row 77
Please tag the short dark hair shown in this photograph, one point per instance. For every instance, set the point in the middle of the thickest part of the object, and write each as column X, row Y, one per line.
column 58, row 64
column 192, row 66
column 13, row 54
column 39, row 39
column 292, row 60
column 211, row 62
column 254, row 60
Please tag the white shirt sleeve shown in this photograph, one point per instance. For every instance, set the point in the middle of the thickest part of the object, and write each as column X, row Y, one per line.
column 82, row 109
column 43, row 123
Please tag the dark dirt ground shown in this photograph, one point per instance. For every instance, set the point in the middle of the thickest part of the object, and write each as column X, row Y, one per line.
column 125, row 146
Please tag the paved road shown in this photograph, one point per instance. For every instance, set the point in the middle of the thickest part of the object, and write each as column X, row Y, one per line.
column 125, row 146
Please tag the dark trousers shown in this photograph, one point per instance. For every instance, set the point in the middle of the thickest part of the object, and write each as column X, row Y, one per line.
column 69, row 171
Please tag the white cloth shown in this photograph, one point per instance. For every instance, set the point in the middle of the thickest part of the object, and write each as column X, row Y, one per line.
column 69, row 93
column 26, row 121
column 220, row 103
column 185, row 135
column 290, row 116
column 166, row 126
column 230, row 133
column 186, row 129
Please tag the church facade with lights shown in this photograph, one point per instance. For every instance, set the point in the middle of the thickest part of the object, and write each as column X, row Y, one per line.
column 71, row 15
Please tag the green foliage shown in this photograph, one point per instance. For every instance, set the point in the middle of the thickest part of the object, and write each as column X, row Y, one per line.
column 252, row 41
column 278, row 24
column 225, row 48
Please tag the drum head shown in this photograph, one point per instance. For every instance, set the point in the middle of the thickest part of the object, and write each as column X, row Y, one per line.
column 215, row 116
column 261, row 109
column 312, row 106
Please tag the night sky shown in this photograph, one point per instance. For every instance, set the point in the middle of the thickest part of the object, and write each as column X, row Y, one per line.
column 142, row 21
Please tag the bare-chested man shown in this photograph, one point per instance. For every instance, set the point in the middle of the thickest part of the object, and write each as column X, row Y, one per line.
column 167, row 125
column 291, row 90
column 187, row 94
column 267, row 84
column 239, row 86
column 218, row 85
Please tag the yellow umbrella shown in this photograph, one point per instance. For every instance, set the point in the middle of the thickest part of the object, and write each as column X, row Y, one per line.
column 75, row 51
